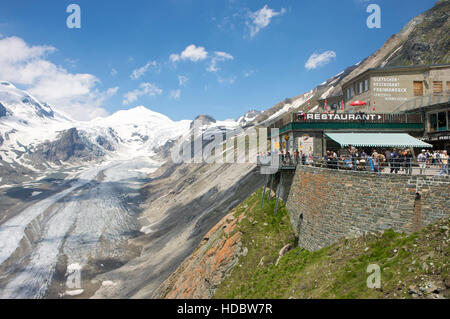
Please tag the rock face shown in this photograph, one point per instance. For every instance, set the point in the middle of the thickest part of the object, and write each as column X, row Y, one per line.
column 69, row 145
column 199, row 275
column 2, row 110
column 429, row 42
column 204, row 120
column 248, row 118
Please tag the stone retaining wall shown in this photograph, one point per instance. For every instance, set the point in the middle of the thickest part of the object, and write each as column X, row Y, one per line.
column 325, row 205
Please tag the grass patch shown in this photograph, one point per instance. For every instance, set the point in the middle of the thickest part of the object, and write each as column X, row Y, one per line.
column 338, row 271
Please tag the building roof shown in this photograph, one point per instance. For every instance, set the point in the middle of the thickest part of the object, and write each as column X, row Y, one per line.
column 377, row 140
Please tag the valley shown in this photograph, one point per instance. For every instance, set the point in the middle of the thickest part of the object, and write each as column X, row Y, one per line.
column 86, row 223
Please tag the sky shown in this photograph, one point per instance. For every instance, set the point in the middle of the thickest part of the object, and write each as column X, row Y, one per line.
column 183, row 58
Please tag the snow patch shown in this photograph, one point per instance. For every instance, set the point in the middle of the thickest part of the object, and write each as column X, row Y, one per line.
column 74, row 293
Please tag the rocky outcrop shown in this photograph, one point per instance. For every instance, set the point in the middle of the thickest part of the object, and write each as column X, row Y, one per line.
column 69, row 145
column 248, row 118
column 429, row 41
column 203, row 120
column 105, row 143
column 2, row 110
column 199, row 275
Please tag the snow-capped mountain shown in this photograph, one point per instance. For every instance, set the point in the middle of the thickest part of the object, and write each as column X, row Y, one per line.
column 35, row 137
column 248, row 117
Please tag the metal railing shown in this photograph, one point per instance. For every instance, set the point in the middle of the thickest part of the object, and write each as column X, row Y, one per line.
column 431, row 167
column 423, row 101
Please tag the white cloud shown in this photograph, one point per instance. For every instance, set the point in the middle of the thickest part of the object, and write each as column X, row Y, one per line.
column 218, row 57
column 175, row 94
column 72, row 63
column 144, row 89
column 318, row 60
column 182, row 80
column 249, row 73
column 191, row 53
column 113, row 72
column 74, row 94
column 261, row 18
column 229, row 80
column 138, row 73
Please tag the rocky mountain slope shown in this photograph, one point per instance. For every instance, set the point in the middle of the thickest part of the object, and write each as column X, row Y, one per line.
column 250, row 255
column 184, row 201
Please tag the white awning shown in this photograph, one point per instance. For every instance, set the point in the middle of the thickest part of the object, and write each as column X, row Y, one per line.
column 377, row 140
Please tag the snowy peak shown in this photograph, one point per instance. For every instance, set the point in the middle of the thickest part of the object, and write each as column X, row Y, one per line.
column 137, row 114
column 248, row 117
column 35, row 136
column 22, row 105
column 203, row 120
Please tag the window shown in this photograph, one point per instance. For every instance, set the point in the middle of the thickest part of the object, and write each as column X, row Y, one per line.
column 350, row 93
column 360, row 87
column 418, row 88
column 433, row 122
column 437, row 87
column 366, row 85
column 442, row 121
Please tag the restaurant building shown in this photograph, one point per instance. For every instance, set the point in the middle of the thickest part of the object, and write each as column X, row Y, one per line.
column 315, row 133
column 387, row 89
column 437, row 123
column 411, row 102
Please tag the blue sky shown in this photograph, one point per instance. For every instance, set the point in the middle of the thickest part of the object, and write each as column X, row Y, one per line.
column 188, row 57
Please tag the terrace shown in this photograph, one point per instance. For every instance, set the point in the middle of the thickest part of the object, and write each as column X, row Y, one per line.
column 376, row 122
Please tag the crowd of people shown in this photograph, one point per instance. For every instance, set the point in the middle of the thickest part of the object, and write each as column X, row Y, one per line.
column 394, row 160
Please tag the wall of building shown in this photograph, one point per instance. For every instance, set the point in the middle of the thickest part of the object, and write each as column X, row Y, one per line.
column 326, row 205
column 390, row 89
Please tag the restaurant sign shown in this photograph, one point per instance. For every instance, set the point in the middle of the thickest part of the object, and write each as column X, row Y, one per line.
column 339, row 117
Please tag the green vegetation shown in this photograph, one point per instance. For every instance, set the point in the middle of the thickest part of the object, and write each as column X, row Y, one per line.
column 409, row 264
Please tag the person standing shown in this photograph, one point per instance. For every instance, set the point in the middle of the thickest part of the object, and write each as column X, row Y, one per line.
column 394, row 161
column 422, row 159
column 387, row 156
column 408, row 162
column 444, row 163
